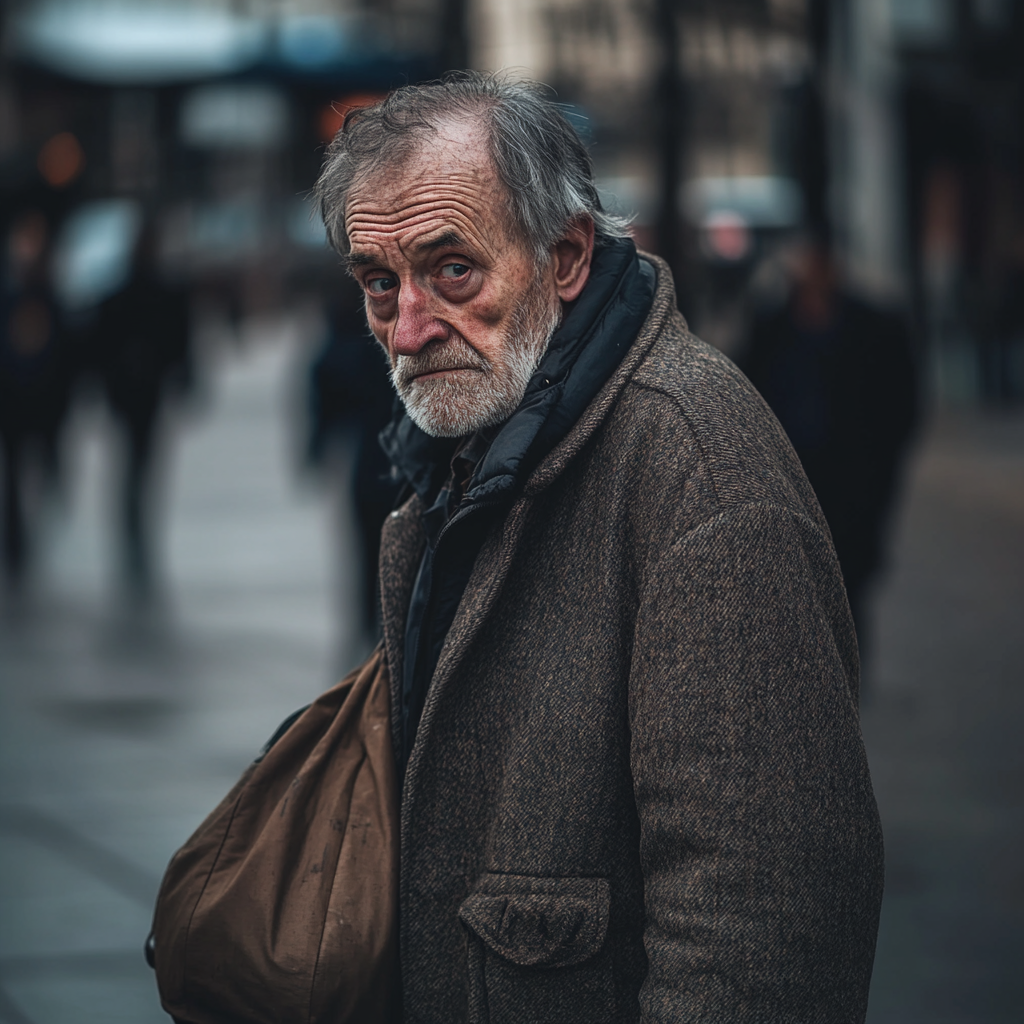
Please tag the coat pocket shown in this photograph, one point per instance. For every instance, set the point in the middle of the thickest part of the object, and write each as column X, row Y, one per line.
column 536, row 950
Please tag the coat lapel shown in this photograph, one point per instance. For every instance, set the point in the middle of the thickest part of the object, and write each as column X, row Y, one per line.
column 663, row 309
column 482, row 591
column 402, row 542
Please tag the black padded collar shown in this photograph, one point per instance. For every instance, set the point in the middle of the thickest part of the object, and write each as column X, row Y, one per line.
column 596, row 333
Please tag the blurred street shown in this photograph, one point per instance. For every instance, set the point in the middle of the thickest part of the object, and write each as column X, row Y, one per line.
column 942, row 721
column 122, row 726
column 188, row 398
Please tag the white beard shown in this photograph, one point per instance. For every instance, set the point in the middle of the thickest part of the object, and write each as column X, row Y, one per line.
column 460, row 403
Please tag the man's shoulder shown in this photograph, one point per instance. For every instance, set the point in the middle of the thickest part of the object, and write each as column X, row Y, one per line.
column 685, row 377
column 679, row 361
column 697, row 409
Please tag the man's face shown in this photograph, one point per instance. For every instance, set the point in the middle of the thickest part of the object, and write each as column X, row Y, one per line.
column 462, row 310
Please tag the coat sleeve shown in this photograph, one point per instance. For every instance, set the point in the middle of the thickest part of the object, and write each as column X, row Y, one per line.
column 760, row 841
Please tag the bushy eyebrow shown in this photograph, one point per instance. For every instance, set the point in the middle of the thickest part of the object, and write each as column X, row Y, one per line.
column 449, row 238
column 353, row 260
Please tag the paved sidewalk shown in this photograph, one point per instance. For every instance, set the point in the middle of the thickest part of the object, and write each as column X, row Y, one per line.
column 121, row 727
column 943, row 721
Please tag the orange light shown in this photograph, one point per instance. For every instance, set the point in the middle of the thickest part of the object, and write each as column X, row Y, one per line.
column 61, row 160
column 333, row 115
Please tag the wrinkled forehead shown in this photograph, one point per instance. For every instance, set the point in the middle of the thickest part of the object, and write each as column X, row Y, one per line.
column 454, row 162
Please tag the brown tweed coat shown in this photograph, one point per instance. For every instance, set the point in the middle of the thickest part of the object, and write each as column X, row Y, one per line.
column 639, row 790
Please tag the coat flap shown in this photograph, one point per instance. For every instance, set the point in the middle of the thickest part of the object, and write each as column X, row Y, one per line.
column 539, row 922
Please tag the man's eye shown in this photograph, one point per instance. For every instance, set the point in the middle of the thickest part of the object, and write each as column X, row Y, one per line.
column 454, row 270
column 380, row 285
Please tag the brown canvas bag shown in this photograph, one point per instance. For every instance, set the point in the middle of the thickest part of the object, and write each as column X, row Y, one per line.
column 282, row 907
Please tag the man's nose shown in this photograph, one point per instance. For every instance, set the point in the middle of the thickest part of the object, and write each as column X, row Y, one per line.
column 416, row 326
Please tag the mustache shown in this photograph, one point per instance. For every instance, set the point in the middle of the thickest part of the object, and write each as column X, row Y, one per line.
column 452, row 354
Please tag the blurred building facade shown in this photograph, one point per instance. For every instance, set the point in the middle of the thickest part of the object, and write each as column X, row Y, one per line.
column 681, row 100
column 722, row 125
column 210, row 117
column 893, row 126
column 962, row 116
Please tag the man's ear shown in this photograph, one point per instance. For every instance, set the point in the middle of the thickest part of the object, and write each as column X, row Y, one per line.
column 571, row 258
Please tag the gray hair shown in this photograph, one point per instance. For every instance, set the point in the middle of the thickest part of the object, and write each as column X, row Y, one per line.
column 538, row 155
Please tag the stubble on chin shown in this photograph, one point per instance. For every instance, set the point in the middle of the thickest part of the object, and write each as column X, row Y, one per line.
column 478, row 393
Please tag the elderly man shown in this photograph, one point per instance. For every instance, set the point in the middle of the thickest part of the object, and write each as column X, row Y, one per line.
column 624, row 674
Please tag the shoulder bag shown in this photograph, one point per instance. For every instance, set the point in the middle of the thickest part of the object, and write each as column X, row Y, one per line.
column 282, row 907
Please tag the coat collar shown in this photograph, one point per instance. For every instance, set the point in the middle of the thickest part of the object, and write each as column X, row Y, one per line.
column 592, row 341
column 662, row 310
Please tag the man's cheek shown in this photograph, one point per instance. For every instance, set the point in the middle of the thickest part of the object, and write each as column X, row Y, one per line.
column 381, row 334
column 486, row 313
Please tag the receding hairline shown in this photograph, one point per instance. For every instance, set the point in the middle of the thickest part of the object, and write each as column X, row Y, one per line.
column 418, row 145
column 402, row 152
column 540, row 159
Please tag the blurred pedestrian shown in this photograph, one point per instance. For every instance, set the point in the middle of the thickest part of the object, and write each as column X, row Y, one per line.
column 351, row 397
column 35, row 382
column 141, row 352
column 839, row 374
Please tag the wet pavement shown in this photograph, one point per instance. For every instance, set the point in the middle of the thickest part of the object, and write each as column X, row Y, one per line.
column 121, row 725
column 943, row 720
